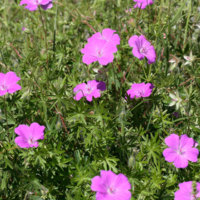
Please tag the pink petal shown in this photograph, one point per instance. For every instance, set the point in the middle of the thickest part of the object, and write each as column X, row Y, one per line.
column 104, row 60
column 89, row 97
column 122, row 183
column 181, row 162
column 95, row 36
column 136, row 53
column 186, row 142
column 133, row 40
column 79, row 95
column 151, row 55
column 81, row 87
column 107, row 34
column 109, row 48
column 37, row 131
column 132, row 94
column 170, row 154
column 44, row 2
column 14, row 88
column 23, row 130
column 192, row 154
column 11, row 78
column 88, row 59
column 115, row 39
column 172, row 141
column 31, row 7
column 184, row 193
column 2, row 93
column 97, row 185
column 22, row 142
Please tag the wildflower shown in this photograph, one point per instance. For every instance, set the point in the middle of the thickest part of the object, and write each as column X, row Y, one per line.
column 107, row 35
column 142, row 3
column 181, row 150
column 186, row 191
column 98, row 50
column 111, row 186
column 189, row 59
column 174, row 62
column 142, row 48
column 89, row 90
column 140, row 90
column 176, row 100
column 8, row 83
column 33, row 4
column 28, row 136
column 23, row 29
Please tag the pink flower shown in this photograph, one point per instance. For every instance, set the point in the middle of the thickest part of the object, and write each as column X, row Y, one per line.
column 98, row 50
column 23, row 29
column 33, row 4
column 142, row 3
column 8, row 83
column 142, row 48
column 181, row 150
column 185, row 191
column 110, row 186
column 140, row 90
column 28, row 136
column 89, row 90
column 107, row 35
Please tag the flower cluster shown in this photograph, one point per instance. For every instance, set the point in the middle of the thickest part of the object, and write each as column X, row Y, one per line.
column 102, row 46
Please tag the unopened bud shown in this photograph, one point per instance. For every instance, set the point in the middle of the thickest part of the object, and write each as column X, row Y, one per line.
column 131, row 161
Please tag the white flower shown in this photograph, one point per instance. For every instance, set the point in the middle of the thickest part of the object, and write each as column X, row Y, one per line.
column 190, row 59
column 176, row 100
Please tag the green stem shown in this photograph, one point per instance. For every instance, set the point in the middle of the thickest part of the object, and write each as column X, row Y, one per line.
column 6, row 115
column 45, row 33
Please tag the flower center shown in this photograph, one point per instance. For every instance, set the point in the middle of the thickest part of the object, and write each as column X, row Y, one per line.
column 181, row 152
column 3, row 86
column 111, row 190
column 140, row 93
column 89, row 89
column 99, row 52
column 193, row 197
column 37, row 2
column 143, row 50
column 31, row 141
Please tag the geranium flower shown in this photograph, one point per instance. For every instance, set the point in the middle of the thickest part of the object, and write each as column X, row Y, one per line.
column 181, row 150
column 142, row 48
column 8, row 83
column 108, row 35
column 98, row 50
column 140, row 90
column 186, row 191
column 89, row 90
column 110, row 186
column 142, row 3
column 33, row 4
column 28, row 136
